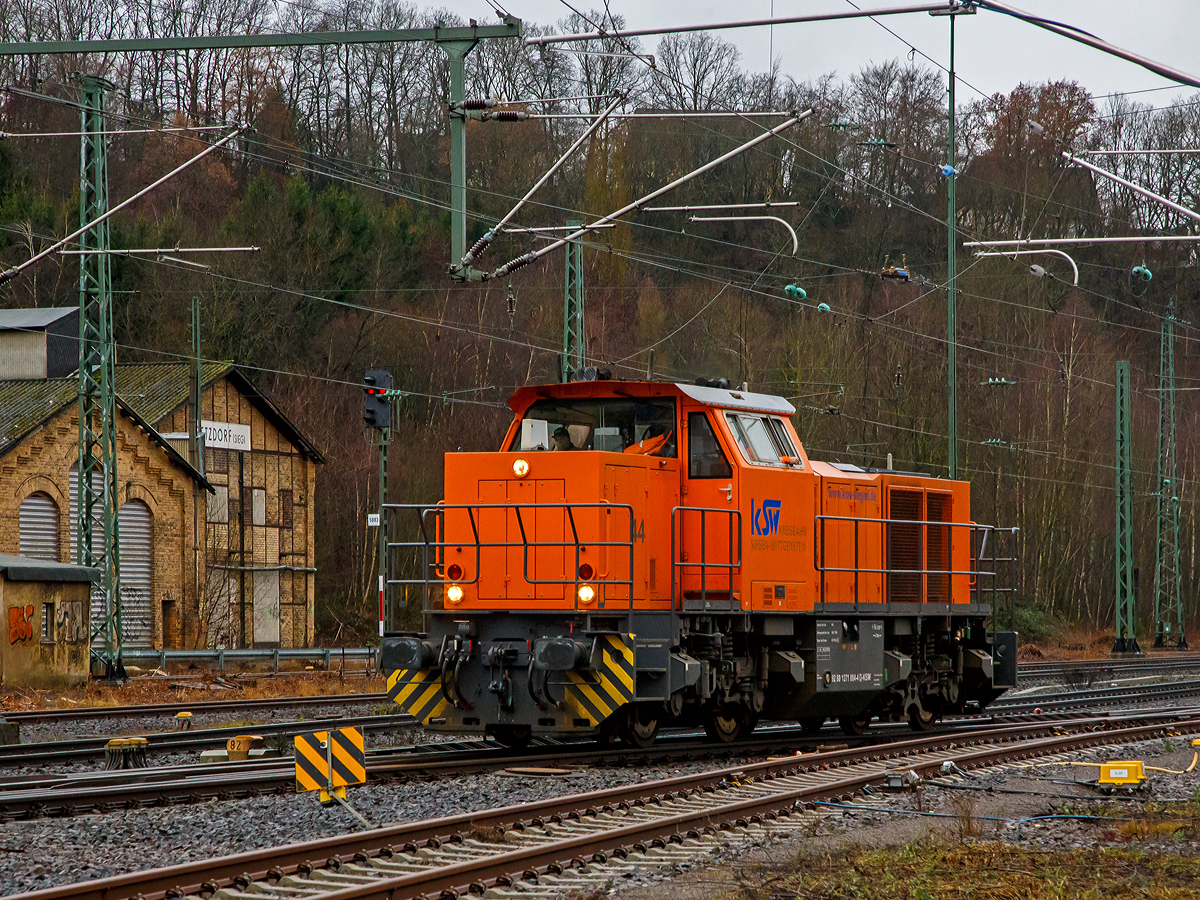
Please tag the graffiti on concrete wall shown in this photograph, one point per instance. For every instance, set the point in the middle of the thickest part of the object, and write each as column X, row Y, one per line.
column 20, row 623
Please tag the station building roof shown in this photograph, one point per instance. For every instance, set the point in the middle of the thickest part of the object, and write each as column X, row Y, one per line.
column 22, row 568
column 146, row 393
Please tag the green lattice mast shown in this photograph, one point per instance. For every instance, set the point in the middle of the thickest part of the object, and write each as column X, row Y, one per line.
column 574, row 349
column 96, row 506
column 1169, row 625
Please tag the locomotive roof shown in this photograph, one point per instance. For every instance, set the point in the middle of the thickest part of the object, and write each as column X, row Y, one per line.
column 726, row 398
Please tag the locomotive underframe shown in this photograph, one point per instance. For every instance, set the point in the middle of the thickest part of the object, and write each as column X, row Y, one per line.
column 515, row 674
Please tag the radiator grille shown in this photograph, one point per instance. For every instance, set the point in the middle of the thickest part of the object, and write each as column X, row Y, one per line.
column 904, row 547
column 937, row 547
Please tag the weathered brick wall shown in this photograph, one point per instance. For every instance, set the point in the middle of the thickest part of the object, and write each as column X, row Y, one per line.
column 42, row 462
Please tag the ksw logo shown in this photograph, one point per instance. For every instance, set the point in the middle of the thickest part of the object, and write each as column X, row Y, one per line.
column 764, row 520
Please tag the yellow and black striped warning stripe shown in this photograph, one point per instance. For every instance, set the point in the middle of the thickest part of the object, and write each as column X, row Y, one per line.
column 608, row 685
column 341, row 762
column 418, row 692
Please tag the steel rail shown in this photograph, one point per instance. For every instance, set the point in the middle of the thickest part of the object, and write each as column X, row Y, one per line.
column 467, row 877
column 1098, row 697
column 174, row 741
column 202, row 707
column 64, row 794
column 1093, row 667
column 208, row 876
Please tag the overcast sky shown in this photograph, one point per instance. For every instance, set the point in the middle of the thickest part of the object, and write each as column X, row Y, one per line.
column 993, row 52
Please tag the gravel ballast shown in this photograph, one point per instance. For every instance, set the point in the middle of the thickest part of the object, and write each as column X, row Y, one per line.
column 48, row 852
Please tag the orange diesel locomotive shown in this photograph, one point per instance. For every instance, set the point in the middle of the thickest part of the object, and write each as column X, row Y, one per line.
column 643, row 554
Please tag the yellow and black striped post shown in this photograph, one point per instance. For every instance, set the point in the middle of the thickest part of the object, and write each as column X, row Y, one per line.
column 330, row 761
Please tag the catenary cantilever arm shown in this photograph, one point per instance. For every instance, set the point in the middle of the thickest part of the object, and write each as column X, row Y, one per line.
column 9, row 274
column 1092, row 41
column 1074, row 267
column 791, row 230
column 482, row 244
column 514, row 264
column 1145, row 192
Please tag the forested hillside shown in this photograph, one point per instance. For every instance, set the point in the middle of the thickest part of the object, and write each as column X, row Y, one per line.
column 343, row 183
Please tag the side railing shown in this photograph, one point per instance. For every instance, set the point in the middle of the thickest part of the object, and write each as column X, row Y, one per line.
column 680, row 517
column 429, row 548
column 992, row 572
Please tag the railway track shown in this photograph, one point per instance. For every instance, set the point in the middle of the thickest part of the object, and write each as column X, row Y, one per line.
column 1101, row 669
column 57, row 795
column 1098, row 697
column 202, row 707
column 581, row 841
column 51, row 752
column 55, row 752
column 1096, row 670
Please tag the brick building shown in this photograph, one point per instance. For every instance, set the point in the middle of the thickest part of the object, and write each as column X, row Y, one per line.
column 217, row 551
column 259, row 525
column 157, row 489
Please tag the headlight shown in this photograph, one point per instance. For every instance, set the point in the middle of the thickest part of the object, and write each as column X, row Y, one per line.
column 454, row 593
column 587, row 593
column 520, row 467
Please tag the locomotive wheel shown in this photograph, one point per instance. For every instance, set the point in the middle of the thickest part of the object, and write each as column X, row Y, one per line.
column 728, row 723
column 855, row 725
column 641, row 728
column 515, row 737
column 920, row 719
column 812, row 724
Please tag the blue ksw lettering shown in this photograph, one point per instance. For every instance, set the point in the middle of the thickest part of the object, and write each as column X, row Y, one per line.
column 764, row 519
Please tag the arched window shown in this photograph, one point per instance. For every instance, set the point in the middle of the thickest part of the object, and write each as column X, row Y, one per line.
column 37, row 524
column 136, row 559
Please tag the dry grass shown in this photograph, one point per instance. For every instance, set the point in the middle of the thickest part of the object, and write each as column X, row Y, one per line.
column 1082, row 643
column 966, row 823
column 928, row 871
column 160, row 690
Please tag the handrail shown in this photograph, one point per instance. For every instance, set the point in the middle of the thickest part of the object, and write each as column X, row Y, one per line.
column 677, row 565
column 977, row 556
column 436, row 543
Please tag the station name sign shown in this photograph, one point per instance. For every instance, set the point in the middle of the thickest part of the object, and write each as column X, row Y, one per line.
column 226, row 436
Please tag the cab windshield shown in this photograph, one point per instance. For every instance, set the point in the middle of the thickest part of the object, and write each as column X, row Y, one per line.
column 763, row 440
column 645, row 427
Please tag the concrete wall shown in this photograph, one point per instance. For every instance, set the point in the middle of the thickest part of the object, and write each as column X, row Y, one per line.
column 32, row 654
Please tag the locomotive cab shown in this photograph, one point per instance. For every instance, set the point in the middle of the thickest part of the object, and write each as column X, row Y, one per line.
column 640, row 554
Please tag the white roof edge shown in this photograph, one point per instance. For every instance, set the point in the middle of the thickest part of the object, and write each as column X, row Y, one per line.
column 734, row 399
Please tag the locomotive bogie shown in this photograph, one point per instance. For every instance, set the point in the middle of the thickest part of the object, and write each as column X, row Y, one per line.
column 689, row 565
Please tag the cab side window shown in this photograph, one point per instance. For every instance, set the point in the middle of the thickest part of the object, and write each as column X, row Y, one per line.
column 705, row 457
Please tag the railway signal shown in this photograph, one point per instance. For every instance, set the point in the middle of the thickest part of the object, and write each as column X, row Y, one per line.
column 377, row 409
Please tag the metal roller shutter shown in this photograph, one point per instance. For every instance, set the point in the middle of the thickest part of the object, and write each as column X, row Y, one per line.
column 137, row 586
column 97, row 610
column 38, row 526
